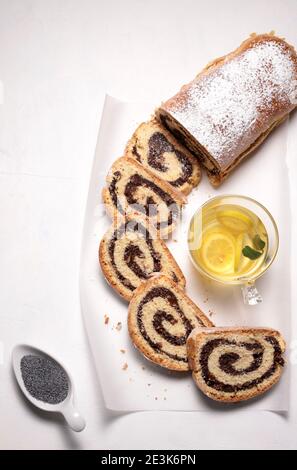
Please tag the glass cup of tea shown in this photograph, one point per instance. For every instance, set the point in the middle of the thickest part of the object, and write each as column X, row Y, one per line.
column 233, row 240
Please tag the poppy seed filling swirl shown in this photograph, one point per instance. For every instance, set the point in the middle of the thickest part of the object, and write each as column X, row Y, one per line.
column 227, row 353
column 168, row 315
column 158, row 145
column 149, row 208
column 134, row 253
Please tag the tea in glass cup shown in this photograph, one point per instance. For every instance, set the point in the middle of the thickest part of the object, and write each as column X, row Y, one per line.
column 233, row 240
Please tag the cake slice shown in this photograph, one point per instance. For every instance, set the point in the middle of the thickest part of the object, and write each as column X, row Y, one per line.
column 158, row 150
column 235, row 364
column 160, row 319
column 230, row 108
column 129, row 255
column 134, row 191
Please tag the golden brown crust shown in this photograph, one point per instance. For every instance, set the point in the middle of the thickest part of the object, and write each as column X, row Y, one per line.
column 135, row 149
column 253, row 39
column 240, row 396
column 218, row 180
column 277, row 114
column 128, row 163
column 109, row 272
column 200, row 334
column 139, row 343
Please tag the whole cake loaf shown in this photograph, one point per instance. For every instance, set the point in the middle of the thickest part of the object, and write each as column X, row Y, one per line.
column 234, row 103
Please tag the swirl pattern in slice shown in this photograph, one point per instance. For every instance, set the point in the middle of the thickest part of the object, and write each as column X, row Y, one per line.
column 160, row 319
column 133, row 190
column 235, row 364
column 129, row 255
column 155, row 147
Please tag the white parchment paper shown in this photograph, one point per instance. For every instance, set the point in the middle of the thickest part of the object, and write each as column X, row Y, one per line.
column 129, row 382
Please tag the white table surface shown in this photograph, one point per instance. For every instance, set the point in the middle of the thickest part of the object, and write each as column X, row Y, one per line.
column 57, row 60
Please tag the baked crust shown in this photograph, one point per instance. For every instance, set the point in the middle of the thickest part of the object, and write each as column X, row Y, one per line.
column 139, row 341
column 128, row 167
column 168, row 264
column 171, row 170
column 217, row 180
column 269, row 115
column 199, row 338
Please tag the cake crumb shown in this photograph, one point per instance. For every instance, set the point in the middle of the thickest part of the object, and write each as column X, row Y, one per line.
column 149, row 385
column 143, row 367
column 210, row 313
column 125, row 366
column 118, row 326
column 156, row 398
column 123, row 351
column 164, row 398
column 106, row 319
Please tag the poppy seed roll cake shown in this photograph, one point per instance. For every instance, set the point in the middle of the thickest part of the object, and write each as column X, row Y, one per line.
column 230, row 108
column 161, row 317
column 129, row 255
column 235, row 364
column 134, row 191
column 156, row 148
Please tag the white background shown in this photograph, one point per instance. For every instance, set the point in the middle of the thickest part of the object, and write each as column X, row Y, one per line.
column 57, row 60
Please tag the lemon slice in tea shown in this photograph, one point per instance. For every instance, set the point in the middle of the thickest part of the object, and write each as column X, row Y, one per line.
column 218, row 252
column 234, row 220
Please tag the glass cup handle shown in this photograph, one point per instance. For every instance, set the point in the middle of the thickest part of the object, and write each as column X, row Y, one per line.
column 250, row 294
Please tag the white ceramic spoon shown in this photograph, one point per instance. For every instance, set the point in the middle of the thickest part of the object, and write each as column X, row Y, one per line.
column 66, row 407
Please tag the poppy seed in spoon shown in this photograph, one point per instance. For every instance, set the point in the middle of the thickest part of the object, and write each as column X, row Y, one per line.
column 44, row 379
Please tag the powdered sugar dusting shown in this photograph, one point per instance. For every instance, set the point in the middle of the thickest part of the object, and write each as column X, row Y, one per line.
column 224, row 109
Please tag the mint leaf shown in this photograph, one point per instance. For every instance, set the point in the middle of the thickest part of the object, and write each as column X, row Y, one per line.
column 250, row 253
column 258, row 243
